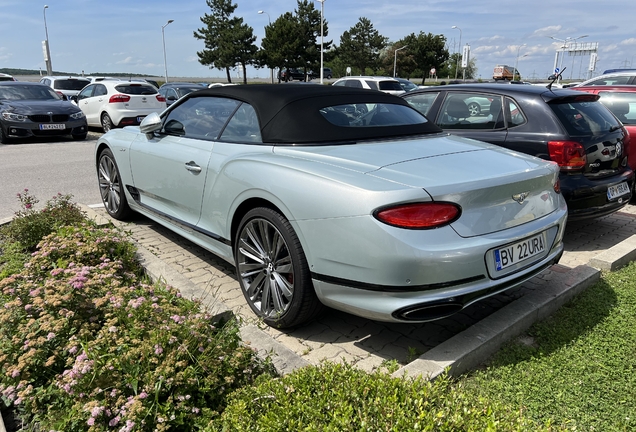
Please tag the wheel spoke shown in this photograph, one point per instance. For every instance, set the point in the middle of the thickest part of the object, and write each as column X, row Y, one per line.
column 265, row 267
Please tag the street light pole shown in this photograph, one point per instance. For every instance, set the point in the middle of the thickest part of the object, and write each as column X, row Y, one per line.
column 163, row 38
column 269, row 19
column 517, row 62
column 49, row 66
column 322, row 69
column 395, row 59
column 460, row 47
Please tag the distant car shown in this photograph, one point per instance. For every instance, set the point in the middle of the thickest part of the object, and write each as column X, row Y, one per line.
column 291, row 74
column 611, row 79
column 35, row 110
column 316, row 200
column 406, row 85
column 65, row 86
column 621, row 101
column 326, row 74
column 6, row 77
column 383, row 84
column 109, row 104
column 173, row 91
column 560, row 125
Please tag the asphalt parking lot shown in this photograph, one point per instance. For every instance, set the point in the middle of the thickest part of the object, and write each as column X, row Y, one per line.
column 337, row 336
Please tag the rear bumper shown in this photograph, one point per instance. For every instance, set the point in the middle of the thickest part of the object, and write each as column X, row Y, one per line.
column 588, row 198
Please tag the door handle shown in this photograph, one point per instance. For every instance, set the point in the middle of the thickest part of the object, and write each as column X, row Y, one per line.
column 193, row 167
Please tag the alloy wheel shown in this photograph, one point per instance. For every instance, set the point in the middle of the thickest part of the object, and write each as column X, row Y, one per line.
column 109, row 184
column 265, row 267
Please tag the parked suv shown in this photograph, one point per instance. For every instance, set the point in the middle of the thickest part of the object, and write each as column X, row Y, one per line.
column 292, row 74
column 383, row 84
column 326, row 73
column 568, row 127
column 65, row 86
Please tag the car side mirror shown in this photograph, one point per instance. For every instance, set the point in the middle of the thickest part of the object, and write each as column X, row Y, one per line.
column 74, row 98
column 150, row 124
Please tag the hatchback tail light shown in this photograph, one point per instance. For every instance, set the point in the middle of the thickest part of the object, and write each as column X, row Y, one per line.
column 116, row 98
column 570, row 155
column 161, row 98
column 419, row 215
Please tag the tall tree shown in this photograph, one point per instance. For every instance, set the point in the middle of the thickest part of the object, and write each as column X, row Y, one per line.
column 361, row 45
column 293, row 39
column 228, row 41
column 424, row 52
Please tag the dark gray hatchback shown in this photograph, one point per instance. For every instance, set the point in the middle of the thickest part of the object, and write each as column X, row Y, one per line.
column 575, row 131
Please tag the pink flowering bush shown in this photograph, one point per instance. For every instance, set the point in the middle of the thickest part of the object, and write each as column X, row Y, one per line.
column 86, row 343
column 31, row 224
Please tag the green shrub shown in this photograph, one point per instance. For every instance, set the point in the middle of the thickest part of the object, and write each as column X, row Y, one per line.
column 30, row 225
column 336, row 397
column 85, row 344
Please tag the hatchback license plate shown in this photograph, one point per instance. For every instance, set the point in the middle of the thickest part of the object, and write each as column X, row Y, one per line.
column 54, row 126
column 520, row 251
column 617, row 190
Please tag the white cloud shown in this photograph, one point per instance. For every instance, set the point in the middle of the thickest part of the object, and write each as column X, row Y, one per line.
column 546, row 31
column 630, row 41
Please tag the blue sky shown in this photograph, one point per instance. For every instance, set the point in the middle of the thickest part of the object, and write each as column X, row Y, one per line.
column 118, row 36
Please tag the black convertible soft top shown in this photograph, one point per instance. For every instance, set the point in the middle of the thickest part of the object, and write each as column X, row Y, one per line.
column 290, row 113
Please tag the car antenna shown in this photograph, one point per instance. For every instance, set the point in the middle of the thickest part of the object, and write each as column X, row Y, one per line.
column 556, row 77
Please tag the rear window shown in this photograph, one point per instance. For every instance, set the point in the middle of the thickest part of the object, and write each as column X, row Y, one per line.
column 70, row 84
column 584, row 118
column 621, row 104
column 372, row 115
column 136, row 89
column 6, row 78
column 390, row 85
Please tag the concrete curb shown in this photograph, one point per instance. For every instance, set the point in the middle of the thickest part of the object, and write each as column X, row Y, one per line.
column 473, row 346
column 616, row 256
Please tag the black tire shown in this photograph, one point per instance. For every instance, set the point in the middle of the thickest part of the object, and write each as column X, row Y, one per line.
column 4, row 139
column 80, row 137
column 328, row 77
column 272, row 270
column 107, row 123
column 111, row 187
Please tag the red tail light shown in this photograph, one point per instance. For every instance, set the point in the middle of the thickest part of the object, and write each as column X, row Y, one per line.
column 118, row 98
column 419, row 215
column 626, row 143
column 570, row 155
column 161, row 98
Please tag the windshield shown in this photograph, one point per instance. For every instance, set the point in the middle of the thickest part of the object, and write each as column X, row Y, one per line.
column 372, row 114
column 28, row 92
column 70, row 84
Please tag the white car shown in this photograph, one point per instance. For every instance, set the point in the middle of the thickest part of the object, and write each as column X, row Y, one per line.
column 383, row 84
column 65, row 86
column 110, row 104
column 6, row 77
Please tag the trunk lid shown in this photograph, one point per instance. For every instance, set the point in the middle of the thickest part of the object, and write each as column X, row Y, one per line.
column 482, row 178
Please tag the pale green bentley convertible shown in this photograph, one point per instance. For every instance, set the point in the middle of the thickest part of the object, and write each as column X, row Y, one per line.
column 337, row 196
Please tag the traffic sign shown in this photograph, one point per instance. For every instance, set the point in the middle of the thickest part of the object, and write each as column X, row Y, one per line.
column 556, row 71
